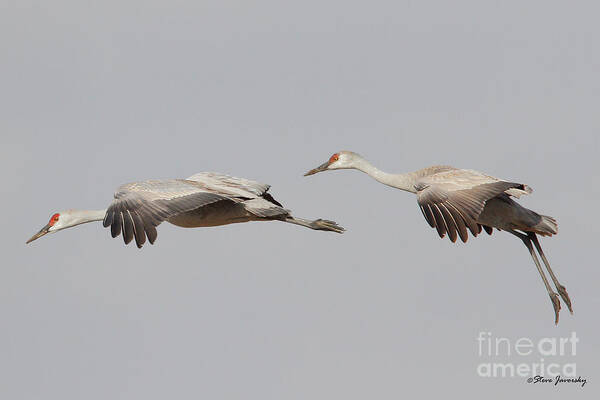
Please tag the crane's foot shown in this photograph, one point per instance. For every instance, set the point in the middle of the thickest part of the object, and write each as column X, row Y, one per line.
column 565, row 296
column 326, row 225
column 556, row 304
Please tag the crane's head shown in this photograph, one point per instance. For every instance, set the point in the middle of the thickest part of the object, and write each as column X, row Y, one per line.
column 57, row 222
column 341, row 160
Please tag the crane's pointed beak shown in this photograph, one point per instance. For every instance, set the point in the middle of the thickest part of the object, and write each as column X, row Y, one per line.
column 38, row 235
column 320, row 168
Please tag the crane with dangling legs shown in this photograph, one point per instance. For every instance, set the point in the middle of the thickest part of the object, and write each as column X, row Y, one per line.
column 455, row 201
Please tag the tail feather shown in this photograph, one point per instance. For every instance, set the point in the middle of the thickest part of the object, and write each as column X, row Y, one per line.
column 546, row 227
column 519, row 191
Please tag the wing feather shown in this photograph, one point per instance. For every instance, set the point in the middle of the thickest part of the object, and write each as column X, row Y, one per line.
column 440, row 225
column 115, row 223
column 459, row 220
column 450, row 223
column 429, row 215
column 139, row 230
column 127, row 227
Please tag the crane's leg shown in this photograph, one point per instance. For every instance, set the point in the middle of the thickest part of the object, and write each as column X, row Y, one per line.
column 553, row 296
column 561, row 289
column 317, row 224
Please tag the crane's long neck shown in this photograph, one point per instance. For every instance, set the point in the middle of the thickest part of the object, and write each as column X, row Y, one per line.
column 400, row 181
column 78, row 217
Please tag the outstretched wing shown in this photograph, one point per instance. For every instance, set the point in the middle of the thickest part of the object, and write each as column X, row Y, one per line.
column 141, row 206
column 451, row 201
column 230, row 185
column 233, row 186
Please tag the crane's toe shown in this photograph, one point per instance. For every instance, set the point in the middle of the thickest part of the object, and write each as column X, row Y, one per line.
column 556, row 304
column 565, row 296
column 326, row 225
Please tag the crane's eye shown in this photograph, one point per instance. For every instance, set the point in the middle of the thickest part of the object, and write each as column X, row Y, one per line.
column 53, row 219
column 334, row 158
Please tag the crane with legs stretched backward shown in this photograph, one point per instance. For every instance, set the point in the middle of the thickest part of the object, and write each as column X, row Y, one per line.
column 203, row 199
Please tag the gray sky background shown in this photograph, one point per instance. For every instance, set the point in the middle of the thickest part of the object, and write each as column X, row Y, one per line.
column 97, row 95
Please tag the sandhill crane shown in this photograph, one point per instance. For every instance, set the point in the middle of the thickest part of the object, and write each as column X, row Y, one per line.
column 453, row 200
column 203, row 199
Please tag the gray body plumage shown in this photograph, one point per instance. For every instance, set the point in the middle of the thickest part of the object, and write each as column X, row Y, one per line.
column 204, row 199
